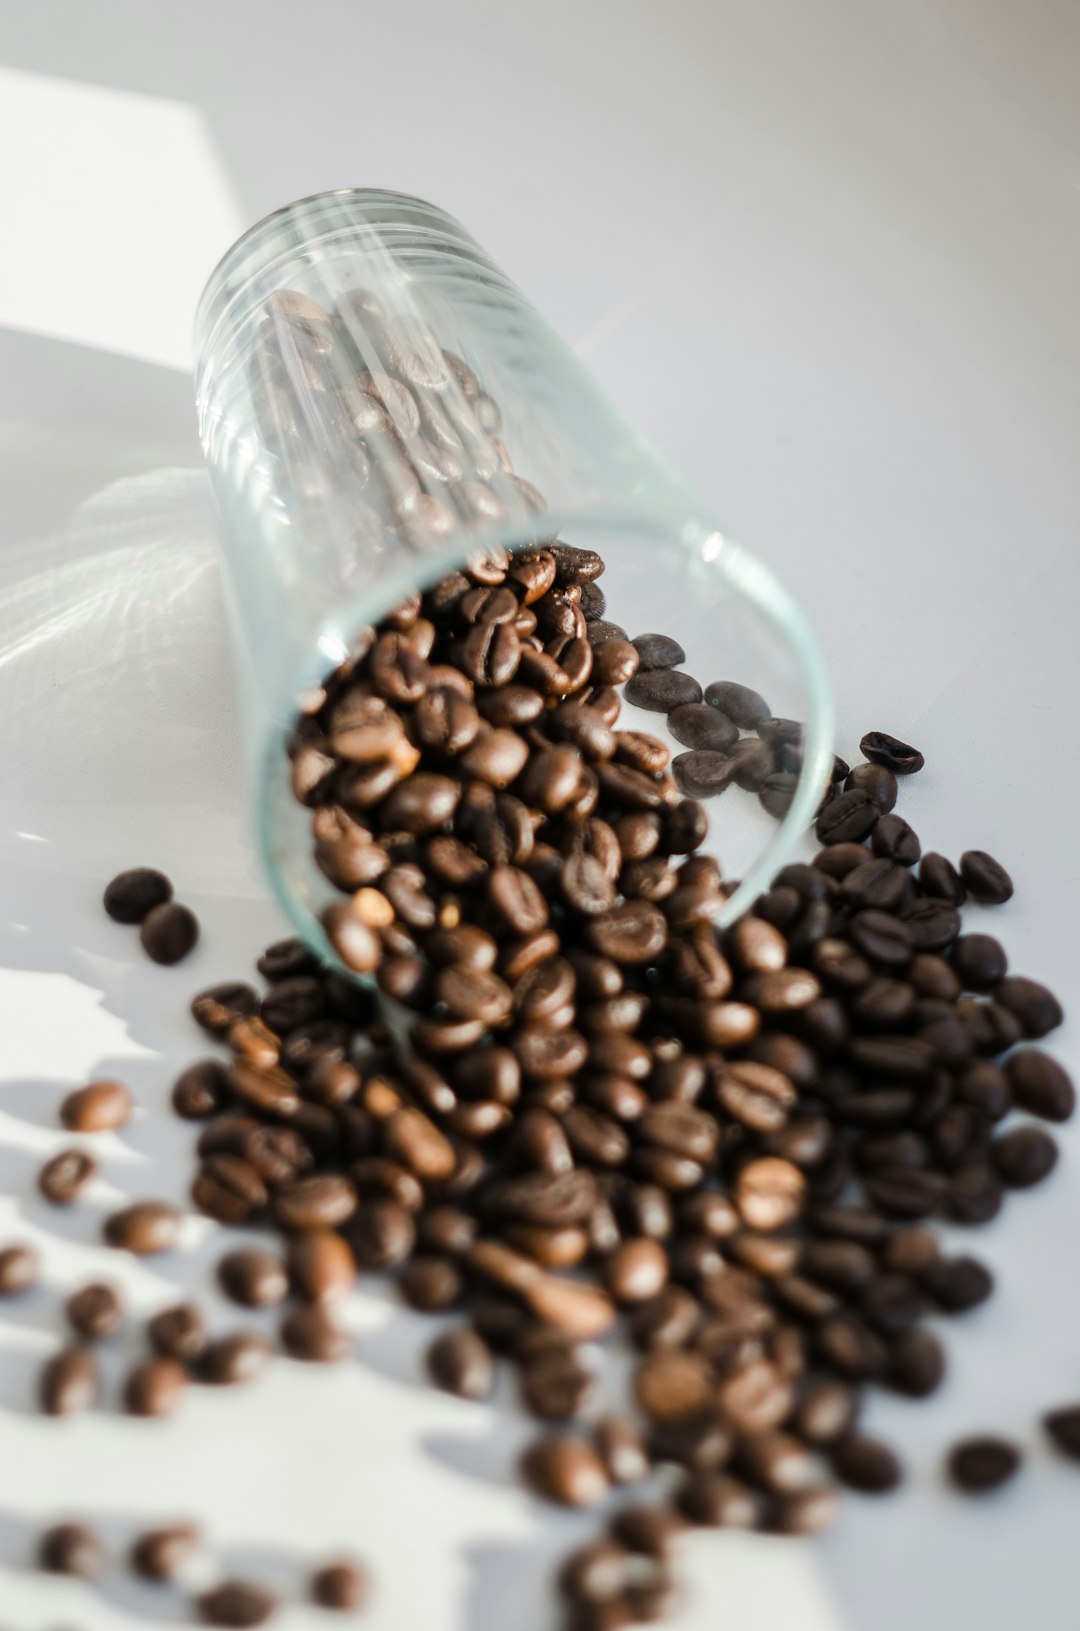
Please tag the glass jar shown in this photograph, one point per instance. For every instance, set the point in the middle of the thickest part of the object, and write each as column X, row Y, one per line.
column 378, row 404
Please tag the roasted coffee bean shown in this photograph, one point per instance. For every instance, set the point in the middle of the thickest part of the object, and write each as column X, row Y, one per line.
column 1036, row 1008
column 894, row 839
column 236, row 1603
column 846, row 818
column 931, row 925
column 63, row 1178
column 293, row 1002
column 381, row 1233
column 658, row 651
column 742, row 706
column 979, row 961
column 100, row 1107
column 286, row 959
column 162, row 1554
column 229, row 1189
column 69, row 1381
column 717, row 1501
column 252, row 1277
column 940, row 879
column 169, row 932
column 321, row 1267
column 698, row 726
column 701, row 774
column 431, row 1284
column 826, row 1410
column 865, row 1464
column 154, row 1387
column 342, row 1585
column 986, row 879
column 323, row 1201
column 565, row 1470
column 1063, row 1429
column 879, row 884
column 977, row 1465
column 310, row 1333
column 956, row 1283
column 878, row 782
column 897, row 756
column 555, row 1385
column 662, row 690
column 1024, row 1156
column 671, row 1386
column 776, row 792
column 916, row 1364
column 200, row 1090
column 71, row 1548
column 637, row 1272
column 882, row 938
column 178, row 1333
column 145, row 1228
column 94, row 1311
column 231, row 1361
column 131, row 895
column 1040, row 1085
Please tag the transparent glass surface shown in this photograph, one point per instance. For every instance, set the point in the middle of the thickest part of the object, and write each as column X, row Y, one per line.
column 340, row 492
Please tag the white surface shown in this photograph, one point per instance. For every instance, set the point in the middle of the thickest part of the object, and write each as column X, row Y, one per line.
column 827, row 256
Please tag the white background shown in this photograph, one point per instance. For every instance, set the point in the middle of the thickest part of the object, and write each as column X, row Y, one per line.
column 827, row 255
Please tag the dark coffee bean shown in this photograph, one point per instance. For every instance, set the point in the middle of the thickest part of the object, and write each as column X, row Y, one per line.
column 162, row 1554
column 717, row 1501
column 882, row 938
column 826, row 1410
column 229, row 1189
column 897, row 756
column 342, row 1585
column 1040, row 1085
column 891, row 1304
column 848, row 1346
column 670, row 1386
column 893, row 839
column 169, row 932
column 252, row 1277
column 178, row 1332
column 631, row 934
column 846, row 818
column 144, row 1228
column 957, row 1283
column 1037, row 1009
column 310, row 1333
column 699, row 726
column 899, row 1058
column 1063, row 1428
column 381, row 1233
column 649, row 1530
column 877, row 782
column 516, row 900
column 977, row 1465
column 555, row 1385
column 742, row 706
column 658, row 651
column 911, row 1250
column 776, row 791
column 320, row 1265
column 980, row 961
column 430, row 1283
column 1024, row 1156
column 662, row 690
column 94, row 1311
column 69, row 1381
column 916, row 1364
column 234, row 1360
column 236, row 1603
column 565, row 1470
column 616, row 661
column 932, row 925
column 322, row 1201
column 71, row 1548
column 219, row 1007
column 63, row 1179
column 701, row 774
column 293, row 1002
column 20, row 1268
column 154, row 1387
column 993, row 1029
column 939, row 878
column 200, row 1090
column 131, row 895
column 866, row 1464
column 286, row 959
column 974, row 1194
column 782, row 733
column 986, row 879
column 100, row 1107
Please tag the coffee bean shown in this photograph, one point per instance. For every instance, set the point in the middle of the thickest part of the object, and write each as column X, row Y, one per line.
column 887, row 750
column 131, row 895
column 826, row 1411
column 698, row 726
column 658, row 651
column 1036, row 1008
column 145, row 1228
column 236, row 1603
column 717, row 1501
column 342, row 1585
column 322, row 1201
column 776, row 792
column 977, row 1465
column 310, row 1332
column 986, row 879
column 565, row 1470
column 916, row 1364
column 63, row 1179
column 940, row 879
column 662, row 690
column 100, row 1107
column 169, row 932
column 893, row 839
column 1040, row 1085
column 980, row 961
column 233, row 1360
column 94, row 1311
column 154, row 1387
column 877, row 884
column 200, row 1090
column 1063, row 1429
column 162, row 1554
column 320, row 1265
column 847, row 817
column 1024, row 1156
column 381, row 1234
column 20, row 1268
column 701, row 774
column 957, row 1283
column 637, row 1271
column 178, row 1332
column 229, row 1189
column 218, row 1008
column 630, row 934
column 555, row 1385
column 252, row 1277
column 69, row 1381
column 670, row 1386
column 877, row 782
column 741, row 705
column 882, row 938
column 71, row 1548
column 623, row 1451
